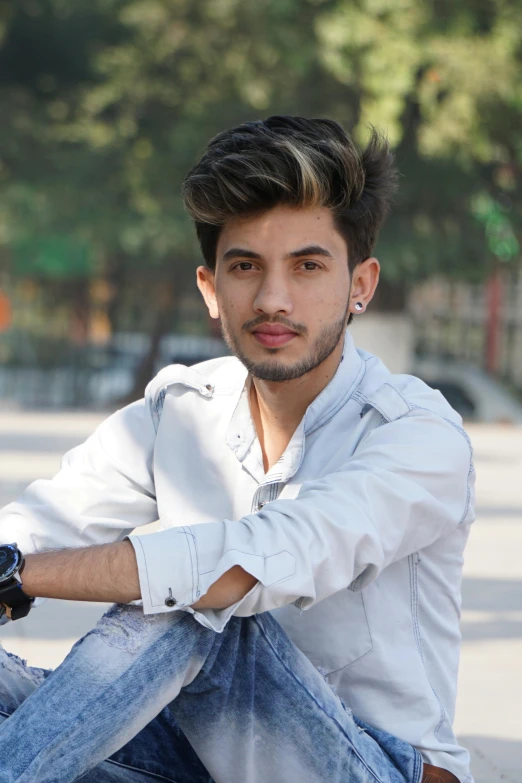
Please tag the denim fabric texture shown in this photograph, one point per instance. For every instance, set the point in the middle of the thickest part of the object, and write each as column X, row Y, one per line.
column 167, row 699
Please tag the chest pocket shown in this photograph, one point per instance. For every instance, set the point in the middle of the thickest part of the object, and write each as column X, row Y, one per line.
column 333, row 633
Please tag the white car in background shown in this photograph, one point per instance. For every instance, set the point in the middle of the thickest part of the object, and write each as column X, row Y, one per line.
column 471, row 391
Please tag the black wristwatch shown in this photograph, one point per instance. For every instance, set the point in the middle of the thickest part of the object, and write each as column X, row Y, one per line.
column 16, row 604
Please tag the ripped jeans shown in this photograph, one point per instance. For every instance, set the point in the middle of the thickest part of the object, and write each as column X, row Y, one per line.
column 161, row 698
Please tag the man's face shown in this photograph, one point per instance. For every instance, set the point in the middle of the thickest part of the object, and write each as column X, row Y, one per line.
column 281, row 288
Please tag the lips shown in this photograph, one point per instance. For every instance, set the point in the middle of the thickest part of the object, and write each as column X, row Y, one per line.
column 273, row 335
column 273, row 329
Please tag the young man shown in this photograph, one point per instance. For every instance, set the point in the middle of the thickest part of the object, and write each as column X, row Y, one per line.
column 314, row 509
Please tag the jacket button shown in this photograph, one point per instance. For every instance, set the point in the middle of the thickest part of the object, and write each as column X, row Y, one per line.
column 208, row 387
column 170, row 601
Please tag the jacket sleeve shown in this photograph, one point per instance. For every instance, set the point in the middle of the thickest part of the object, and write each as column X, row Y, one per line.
column 103, row 490
column 409, row 482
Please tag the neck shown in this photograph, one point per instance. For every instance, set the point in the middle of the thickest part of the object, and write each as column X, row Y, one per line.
column 277, row 408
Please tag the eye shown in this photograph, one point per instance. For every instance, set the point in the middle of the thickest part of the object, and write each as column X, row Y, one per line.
column 243, row 266
column 310, row 266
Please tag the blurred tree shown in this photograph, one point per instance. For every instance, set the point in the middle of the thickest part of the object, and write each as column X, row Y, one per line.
column 443, row 79
column 106, row 104
column 436, row 75
column 52, row 205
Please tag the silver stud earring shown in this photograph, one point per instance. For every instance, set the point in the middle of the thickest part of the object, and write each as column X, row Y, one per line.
column 359, row 306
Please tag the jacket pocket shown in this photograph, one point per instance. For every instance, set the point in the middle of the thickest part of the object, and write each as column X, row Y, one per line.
column 333, row 633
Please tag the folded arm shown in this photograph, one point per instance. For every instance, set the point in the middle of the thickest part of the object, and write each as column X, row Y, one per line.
column 409, row 482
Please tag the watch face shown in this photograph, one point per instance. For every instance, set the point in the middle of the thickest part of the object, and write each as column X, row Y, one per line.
column 9, row 561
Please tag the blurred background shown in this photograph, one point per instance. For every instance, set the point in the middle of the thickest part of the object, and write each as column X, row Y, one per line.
column 104, row 107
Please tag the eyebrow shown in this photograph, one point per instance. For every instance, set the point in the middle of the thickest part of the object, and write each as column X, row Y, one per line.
column 309, row 250
column 234, row 252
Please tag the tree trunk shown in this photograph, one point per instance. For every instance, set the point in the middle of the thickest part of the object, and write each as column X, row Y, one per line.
column 162, row 325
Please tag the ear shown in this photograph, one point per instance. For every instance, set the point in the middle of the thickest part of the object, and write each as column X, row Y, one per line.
column 205, row 279
column 365, row 278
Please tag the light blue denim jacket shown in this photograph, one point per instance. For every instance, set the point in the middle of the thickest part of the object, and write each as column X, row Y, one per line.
column 356, row 534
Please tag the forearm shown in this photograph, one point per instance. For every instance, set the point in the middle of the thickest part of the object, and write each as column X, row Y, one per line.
column 105, row 573
column 109, row 573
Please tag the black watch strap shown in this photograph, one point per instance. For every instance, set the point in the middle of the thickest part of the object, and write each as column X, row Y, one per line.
column 17, row 602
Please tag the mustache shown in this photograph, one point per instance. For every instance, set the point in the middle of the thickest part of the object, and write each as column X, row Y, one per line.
column 249, row 326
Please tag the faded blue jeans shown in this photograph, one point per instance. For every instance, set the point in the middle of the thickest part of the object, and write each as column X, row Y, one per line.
column 155, row 698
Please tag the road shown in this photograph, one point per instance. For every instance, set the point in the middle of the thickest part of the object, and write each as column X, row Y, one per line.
column 489, row 708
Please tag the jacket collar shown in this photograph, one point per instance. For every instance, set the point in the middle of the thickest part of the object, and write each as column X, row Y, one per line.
column 338, row 391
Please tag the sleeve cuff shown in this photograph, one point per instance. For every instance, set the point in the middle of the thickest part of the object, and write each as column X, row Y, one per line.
column 166, row 569
column 169, row 578
column 216, row 619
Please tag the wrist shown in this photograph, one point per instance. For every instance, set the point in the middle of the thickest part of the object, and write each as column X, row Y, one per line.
column 15, row 600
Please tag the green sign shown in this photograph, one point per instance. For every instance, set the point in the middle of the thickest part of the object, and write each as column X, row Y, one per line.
column 53, row 256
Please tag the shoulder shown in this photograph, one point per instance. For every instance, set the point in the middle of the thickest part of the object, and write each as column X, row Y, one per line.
column 395, row 396
column 411, row 426
column 412, row 408
column 210, row 379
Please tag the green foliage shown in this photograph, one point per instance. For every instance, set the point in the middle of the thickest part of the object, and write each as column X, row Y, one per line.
column 499, row 230
column 106, row 104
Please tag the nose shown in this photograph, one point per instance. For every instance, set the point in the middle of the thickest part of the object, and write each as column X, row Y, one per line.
column 273, row 296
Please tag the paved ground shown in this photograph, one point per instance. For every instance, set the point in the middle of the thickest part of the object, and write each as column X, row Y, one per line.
column 489, row 710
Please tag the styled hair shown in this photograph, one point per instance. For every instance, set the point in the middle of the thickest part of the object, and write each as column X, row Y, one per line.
column 295, row 161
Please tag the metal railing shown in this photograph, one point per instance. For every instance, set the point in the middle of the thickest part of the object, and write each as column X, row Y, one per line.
column 455, row 321
column 94, row 377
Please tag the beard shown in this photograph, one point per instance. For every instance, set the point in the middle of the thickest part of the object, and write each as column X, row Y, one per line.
column 278, row 372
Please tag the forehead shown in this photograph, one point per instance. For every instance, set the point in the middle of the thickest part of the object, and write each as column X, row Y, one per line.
column 282, row 230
